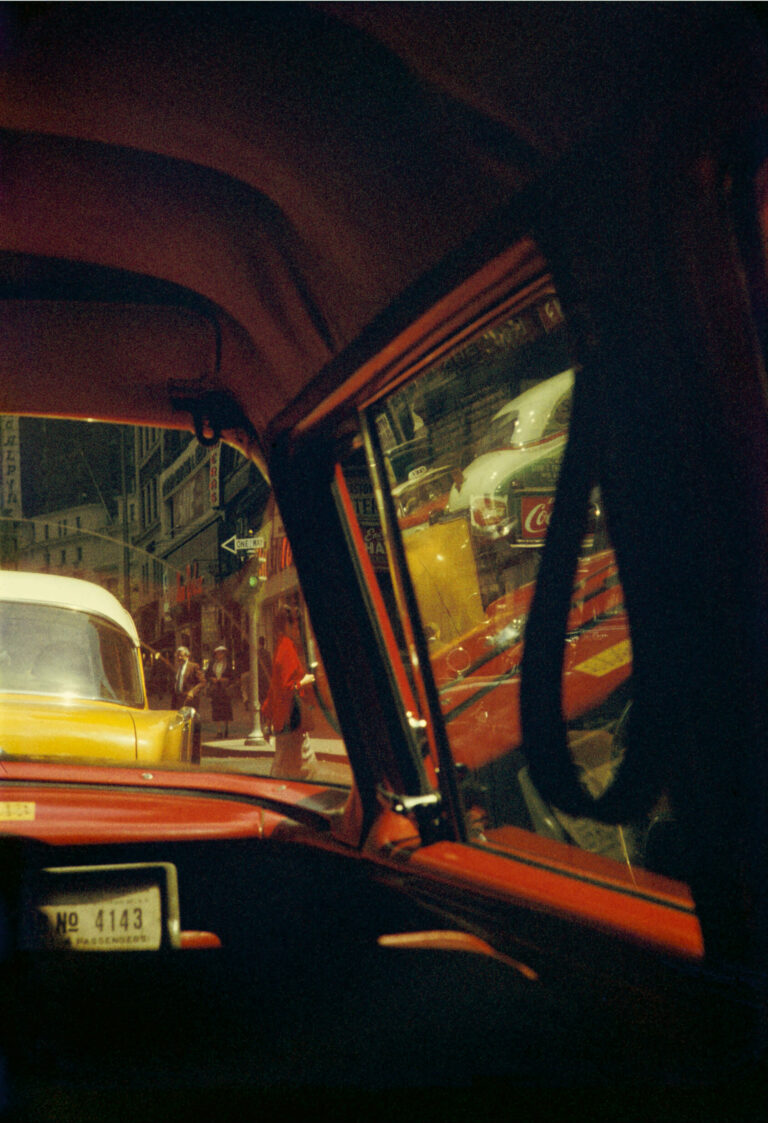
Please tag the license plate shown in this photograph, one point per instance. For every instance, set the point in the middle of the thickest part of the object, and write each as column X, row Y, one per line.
column 128, row 921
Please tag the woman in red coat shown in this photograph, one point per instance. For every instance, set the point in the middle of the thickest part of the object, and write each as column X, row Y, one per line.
column 294, row 755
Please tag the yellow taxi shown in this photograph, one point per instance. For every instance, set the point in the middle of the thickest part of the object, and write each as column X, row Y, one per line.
column 71, row 677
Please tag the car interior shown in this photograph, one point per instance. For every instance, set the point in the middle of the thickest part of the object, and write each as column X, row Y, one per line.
column 333, row 242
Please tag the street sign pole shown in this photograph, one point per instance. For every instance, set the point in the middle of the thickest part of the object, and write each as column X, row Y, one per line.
column 256, row 736
column 250, row 545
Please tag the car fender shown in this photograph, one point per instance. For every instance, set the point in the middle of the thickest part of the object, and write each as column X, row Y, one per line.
column 44, row 727
column 162, row 735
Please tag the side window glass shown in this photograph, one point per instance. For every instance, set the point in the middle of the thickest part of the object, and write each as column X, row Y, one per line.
column 471, row 480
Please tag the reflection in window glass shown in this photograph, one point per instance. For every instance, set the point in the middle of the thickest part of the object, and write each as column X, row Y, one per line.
column 473, row 450
column 189, row 541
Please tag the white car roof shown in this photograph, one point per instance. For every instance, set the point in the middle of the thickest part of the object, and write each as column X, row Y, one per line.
column 534, row 406
column 65, row 592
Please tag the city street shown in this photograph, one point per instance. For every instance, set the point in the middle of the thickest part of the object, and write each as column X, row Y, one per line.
column 232, row 754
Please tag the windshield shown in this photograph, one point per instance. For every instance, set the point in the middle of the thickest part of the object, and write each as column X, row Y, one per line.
column 61, row 651
column 189, row 541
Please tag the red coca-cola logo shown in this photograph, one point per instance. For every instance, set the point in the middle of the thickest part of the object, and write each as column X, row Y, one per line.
column 536, row 511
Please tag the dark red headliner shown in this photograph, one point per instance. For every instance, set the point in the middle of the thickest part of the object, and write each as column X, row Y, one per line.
column 298, row 166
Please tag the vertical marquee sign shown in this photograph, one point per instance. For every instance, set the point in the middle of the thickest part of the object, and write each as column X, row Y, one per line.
column 214, row 477
column 10, row 467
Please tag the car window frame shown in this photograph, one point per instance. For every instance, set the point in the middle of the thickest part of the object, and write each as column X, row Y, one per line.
column 664, row 914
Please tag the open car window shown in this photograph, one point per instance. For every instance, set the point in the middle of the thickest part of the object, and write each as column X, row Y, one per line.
column 122, row 547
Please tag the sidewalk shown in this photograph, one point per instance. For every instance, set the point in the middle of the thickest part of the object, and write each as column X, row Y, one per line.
column 328, row 749
column 325, row 749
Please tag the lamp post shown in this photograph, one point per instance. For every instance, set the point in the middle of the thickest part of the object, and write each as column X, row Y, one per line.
column 126, row 543
column 256, row 736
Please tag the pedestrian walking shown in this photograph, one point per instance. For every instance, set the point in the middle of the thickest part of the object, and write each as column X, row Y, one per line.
column 219, row 678
column 188, row 681
column 282, row 708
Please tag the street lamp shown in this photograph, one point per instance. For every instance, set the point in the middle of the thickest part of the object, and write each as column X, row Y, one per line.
column 256, row 736
column 125, row 530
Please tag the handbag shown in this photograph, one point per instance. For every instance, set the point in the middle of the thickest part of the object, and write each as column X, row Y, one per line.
column 301, row 714
column 294, row 716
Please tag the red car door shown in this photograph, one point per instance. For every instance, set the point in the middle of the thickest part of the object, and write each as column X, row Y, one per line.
column 605, row 915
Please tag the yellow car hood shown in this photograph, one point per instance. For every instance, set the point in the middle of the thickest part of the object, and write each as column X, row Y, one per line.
column 34, row 725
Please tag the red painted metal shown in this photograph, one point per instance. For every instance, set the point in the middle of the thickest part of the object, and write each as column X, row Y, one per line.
column 451, row 940
column 197, row 940
column 45, row 772
column 70, row 805
column 651, row 911
column 86, row 815
column 85, row 804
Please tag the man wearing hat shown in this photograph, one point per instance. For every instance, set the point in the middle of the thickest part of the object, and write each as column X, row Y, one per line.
column 219, row 675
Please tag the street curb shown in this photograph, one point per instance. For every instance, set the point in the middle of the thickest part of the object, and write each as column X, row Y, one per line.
column 239, row 749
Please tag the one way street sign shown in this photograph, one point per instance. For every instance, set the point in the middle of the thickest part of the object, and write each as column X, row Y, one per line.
column 243, row 545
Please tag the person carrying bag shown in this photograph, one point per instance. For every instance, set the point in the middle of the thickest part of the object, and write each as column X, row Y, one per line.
column 284, row 707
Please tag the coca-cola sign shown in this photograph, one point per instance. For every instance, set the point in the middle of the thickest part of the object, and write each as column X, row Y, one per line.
column 535, row 511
